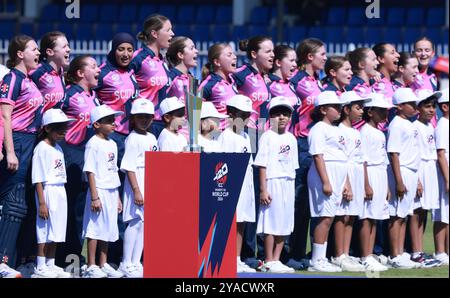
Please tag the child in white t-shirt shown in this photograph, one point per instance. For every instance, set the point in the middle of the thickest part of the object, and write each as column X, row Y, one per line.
column 277, row 160
column 428, row 176
column 327, row 178
column 209, row 125
column 133, row 164
column 440, row 215
column 49, row 176
column 376, row 190
column 404, row 152
column 173, row 112
column 234, row 140
column 102, row 200
column 349, row 209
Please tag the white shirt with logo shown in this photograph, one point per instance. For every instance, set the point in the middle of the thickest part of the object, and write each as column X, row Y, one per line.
column 100, row 158
column 403, row 138
column 353, row 144
column 374, row 146
column 441, row 132
column 427, row 141
column 327, row 140
column 48, row 164
column 278, row 154
column 136, row 145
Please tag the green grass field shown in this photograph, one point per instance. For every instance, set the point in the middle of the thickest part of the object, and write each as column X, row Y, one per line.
column 440, row 272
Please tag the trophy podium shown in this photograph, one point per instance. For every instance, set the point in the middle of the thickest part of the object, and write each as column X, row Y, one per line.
column 190, row 204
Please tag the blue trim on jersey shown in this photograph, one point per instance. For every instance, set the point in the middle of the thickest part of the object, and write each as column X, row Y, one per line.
column 20, row 76
column 298, row 77
column 274, row 77
column 331, row 87
column 71, row 91
column 355, row 81
column 239, row 77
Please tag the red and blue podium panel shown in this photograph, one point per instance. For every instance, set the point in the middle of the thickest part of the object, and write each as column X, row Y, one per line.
column 190, row 204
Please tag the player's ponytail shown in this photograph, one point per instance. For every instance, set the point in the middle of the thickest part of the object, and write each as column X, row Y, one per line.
column 77, row 64
column 206, row 70
column 154, row 22
column 214, row 53
column 177, row 45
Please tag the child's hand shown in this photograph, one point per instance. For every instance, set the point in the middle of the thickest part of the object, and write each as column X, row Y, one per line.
column 347, row 193
column 401, row 190
column 327, row 189
column 369, row 192
column 138, row 198
column 12, row 162
column 377, row 77
column 389, row 195
column 265, row 198
column 96, row 205
column 419, row 191
column 119, row 205
column 43, row 211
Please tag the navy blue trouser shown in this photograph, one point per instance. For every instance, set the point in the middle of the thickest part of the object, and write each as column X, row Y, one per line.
column 13, row 188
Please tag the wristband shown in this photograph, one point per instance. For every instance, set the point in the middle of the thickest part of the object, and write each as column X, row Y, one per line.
column 95, row 199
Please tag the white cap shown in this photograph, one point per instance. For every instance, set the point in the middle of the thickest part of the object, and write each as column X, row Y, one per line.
column 171, row 104
column 55, row 116
column 280, row 101
column 402, row 95
column 209, row 111
column 241, row 102
column 327, row 98
column 102, row 111
column 351, row 96
column 142, row 106
column 424, row 94
column 378, row 100
column 444, row 97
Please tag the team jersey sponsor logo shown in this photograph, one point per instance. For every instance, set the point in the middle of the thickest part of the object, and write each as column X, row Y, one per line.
column 58, row 164
column 4, row 88
column 49, row 80
column 111, row 156
column 416, row 133
column 358, row 143
column 381, row 86
column 153, row 65
column 342, row 140
column 116, row 80
column 430, row 139
column 308, row 86
column 254, row 81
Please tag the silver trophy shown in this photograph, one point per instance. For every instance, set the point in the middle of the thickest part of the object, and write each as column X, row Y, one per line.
column 193, row 107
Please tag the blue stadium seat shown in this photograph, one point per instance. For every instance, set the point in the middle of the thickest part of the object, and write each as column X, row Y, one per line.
column 356, row 16
column 145, row 11
column 44, row 27
column 356, row 35
column 220, row 33
column 335, row 34
column 445, row 35
column 186, row 14
column 259, row 16
column 296, row 34
column 26, row 28
column 67, row 28
column 393, row 35
column 395, row 16
column 7, row 29
column 206, row 14
column 89, row 13
column 51, row 12
column 104, row 31
column 273, row 13
column 411, row 34
column 433, row 33
column 224, row 14
column 11, row 7
column 274, row 34
column 238, row 33
column 374, row 34
column 415, row 16
column 128, row 13
column 169, row 11
column 336, row 16
column 125, row 27
column 84, row 31
column 182, row 30
column 435, row 16
column 254, row 30
column 201, row 33
column 109, row 13
column 318, row 32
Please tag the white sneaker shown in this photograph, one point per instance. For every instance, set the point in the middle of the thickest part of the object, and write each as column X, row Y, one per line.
column 244, row 268
column 129, row 270
column 371, row 264
column 400, row 262
column 8, row 272
column 94, row 271
column 140, row 269
column 382, row 259
column 111, row 272
column 346, row 263
column 442, row 257
column 26, row 269
column 406, row 256
column 43, row 272
column 60, row 272
column 322, row 265
column 278, row 267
